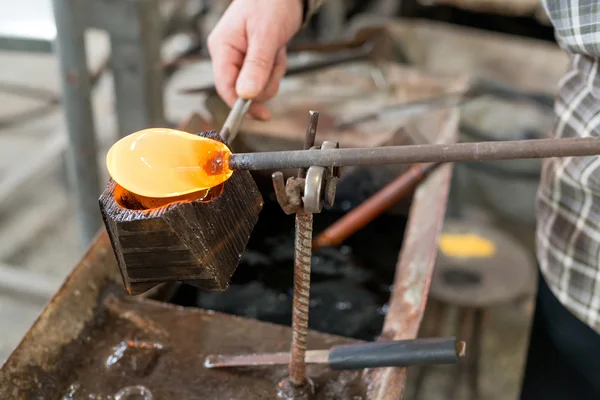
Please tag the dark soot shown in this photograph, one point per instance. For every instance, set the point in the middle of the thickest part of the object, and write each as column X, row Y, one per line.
column 350, row 285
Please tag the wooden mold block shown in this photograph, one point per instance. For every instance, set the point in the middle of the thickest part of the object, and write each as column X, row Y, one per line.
column 196, row 239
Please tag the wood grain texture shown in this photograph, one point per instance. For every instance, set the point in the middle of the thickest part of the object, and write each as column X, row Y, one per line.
column 197, row 242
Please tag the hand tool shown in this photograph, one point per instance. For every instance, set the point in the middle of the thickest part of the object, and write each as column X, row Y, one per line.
column 234, row 120
column 400, row 353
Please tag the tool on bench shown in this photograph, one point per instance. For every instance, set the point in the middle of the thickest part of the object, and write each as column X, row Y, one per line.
column 400, row 353
column 372, row 43
column 340, row 58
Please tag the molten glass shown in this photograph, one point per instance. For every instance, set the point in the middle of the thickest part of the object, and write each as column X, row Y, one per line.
column 160, row 163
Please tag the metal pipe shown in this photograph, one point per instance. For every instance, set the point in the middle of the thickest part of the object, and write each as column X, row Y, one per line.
column 373, row 207
column 76, row 91
column 234, row 120
column 483, row 151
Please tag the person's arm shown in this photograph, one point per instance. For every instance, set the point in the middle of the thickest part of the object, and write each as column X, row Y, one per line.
column 248, row 48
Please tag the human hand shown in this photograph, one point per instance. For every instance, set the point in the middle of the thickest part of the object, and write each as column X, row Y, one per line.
column 247, row 48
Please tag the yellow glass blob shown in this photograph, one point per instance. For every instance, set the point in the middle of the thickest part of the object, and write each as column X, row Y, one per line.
column 161, row 162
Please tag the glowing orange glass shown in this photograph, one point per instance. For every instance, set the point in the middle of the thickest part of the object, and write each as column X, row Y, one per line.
column 160, row 163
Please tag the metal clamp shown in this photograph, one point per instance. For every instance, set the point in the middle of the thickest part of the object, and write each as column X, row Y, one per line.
column 320, row 184
column 311, row 193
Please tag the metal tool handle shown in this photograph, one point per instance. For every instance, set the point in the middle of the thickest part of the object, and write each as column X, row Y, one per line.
column 234, row 120
column 429, row 351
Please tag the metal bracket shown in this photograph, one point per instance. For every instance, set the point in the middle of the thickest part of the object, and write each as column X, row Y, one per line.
column 320, row 184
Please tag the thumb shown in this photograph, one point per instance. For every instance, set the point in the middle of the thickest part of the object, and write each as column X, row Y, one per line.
column 257, row 67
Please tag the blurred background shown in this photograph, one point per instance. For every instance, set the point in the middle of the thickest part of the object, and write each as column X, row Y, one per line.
column 64, row 101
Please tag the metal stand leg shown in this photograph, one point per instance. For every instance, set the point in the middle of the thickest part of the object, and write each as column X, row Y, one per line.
column 433, row 328
column 76, row 90
column 137, row 68
column 473, row 361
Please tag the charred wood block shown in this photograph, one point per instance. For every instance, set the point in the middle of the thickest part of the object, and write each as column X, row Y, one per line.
column 197, row 238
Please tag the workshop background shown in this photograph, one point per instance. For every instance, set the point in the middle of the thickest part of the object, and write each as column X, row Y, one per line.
column 136, row 79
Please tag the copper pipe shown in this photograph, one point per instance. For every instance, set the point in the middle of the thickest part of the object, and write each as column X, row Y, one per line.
column 374, row 206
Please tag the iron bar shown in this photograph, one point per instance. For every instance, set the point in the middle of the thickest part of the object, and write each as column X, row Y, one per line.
column 309, row 139
column 302, row 265
column 482, row 151
column 76, row 92
column 234, row 120
column 373, row 207
column 415, row 268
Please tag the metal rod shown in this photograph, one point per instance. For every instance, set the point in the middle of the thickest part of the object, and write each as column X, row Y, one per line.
column 76, row 92
column 361, row 53
column 309, row 139
column 410, row 108
column 376, row 205
column 234, row 120
column 302, row 266
column 302, row 260
column 483, row 151
column 423, row 351
column 252, row 360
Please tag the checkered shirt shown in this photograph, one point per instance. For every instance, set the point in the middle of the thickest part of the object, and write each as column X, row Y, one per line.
column 568, row 201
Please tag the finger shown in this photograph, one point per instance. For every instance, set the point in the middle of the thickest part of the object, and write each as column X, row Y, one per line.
column 277, row 74
column 226, row 61
column 259, row 111
column 257, row 67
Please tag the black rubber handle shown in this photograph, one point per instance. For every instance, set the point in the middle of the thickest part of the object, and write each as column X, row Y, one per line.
column 426, row 351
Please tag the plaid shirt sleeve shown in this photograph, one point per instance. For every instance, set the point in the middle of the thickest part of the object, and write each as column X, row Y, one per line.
column 568, row 201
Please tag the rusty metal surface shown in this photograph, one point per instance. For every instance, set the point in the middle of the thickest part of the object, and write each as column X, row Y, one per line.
column 415, row 268
column 130, row 341
column 302, row 264
column 33, row 367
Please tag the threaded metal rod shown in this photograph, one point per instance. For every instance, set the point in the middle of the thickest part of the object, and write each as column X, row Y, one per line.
column 483, row 151
column 302, row 259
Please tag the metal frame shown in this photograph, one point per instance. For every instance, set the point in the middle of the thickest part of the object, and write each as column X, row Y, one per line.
column 415, row 267
column 134, row 28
